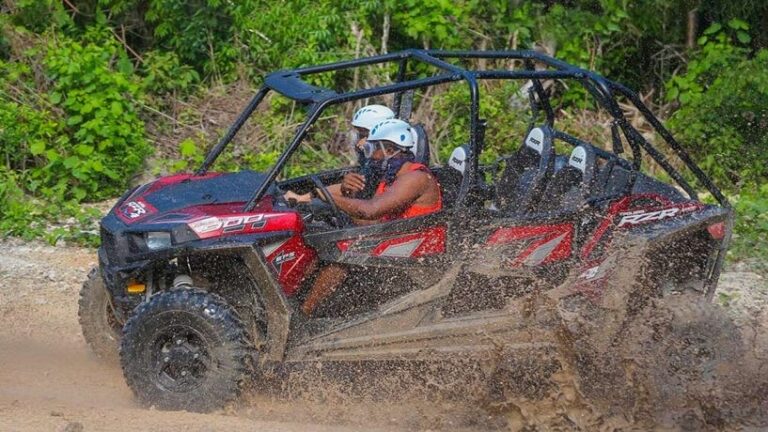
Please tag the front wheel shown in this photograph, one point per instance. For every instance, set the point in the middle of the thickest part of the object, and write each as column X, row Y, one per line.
column 185, row 350
column 101, row 328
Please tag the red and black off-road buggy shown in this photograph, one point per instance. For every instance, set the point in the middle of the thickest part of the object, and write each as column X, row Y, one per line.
column 200, row 275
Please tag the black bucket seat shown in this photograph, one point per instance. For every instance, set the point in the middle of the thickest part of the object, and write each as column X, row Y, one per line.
column 574, row 184
column 526, row 173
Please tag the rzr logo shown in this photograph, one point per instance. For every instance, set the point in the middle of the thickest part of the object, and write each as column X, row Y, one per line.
column 638, row 218
column 134, row 209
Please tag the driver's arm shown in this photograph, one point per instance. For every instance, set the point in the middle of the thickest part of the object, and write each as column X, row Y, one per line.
column 404, row 191
column 351, row 183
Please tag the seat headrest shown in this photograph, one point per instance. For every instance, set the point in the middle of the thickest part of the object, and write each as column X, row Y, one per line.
column 535, row 140
column 578, row 159
column 458, row 159
column 584, row 159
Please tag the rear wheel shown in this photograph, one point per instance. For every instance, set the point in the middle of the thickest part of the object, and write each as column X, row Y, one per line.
column 101, row 329
column 185, row 350
column 678, row 352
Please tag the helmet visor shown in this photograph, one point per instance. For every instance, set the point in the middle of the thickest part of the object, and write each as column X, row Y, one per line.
column 369, row 148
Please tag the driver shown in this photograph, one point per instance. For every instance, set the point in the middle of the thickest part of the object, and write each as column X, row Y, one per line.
column 407, row 189
column 353, row 183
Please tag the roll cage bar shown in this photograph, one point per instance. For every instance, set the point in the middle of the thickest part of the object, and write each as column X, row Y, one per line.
column 290, row 84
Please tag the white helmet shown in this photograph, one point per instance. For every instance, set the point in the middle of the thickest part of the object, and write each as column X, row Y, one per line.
column 367, row 116
column 396, row 131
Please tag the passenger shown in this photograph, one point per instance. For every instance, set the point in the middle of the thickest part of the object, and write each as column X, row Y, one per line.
column 407, row 189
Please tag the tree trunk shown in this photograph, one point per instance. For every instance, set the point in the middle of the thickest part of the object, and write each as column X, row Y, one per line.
column 385, row 33
column 693, row 28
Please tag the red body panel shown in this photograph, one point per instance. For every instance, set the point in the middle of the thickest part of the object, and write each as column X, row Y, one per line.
column 209, row 225
column 634, row 210
column 430, row 241
column 537, row 245
column 624, row 214
column 292, row 261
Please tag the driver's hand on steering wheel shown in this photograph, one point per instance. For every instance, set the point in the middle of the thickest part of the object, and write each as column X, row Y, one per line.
column 352, row 183
column 291, row 195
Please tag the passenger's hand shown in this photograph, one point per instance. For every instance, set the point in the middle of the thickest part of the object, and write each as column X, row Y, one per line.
column 291, row 195
column 352, row 183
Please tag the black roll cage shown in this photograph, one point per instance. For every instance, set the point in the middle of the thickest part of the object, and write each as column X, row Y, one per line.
column 290, row 84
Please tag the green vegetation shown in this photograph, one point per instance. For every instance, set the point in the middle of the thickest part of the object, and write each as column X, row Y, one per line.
column 724, row 107
column 87, row 85
column 751, row 230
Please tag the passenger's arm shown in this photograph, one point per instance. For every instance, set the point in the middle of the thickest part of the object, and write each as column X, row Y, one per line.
column 404, row 191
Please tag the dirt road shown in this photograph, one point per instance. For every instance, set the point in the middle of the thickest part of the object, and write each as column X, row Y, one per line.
column 48, row 379
column 50, row 382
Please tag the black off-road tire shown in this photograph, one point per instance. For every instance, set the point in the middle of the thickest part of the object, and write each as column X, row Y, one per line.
column 185, row 350
column 678, row 353
column 101, row 329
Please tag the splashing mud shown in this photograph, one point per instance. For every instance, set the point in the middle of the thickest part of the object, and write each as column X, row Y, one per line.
column 689, row 366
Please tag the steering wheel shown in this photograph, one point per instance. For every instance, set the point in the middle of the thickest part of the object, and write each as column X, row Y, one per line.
column 339, row 218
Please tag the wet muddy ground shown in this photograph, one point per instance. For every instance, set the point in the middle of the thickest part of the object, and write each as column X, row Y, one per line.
column 50, row 381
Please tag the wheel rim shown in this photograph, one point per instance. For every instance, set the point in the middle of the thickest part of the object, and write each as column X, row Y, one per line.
column 180, row 358
column 692, row 354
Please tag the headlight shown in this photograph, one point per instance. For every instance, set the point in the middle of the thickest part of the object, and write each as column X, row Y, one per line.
column 158, row 240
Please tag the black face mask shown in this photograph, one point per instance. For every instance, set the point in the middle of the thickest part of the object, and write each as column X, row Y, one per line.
column 391, row 167
column 373, row 171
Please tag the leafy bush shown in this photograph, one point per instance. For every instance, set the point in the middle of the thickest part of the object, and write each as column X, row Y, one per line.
column 724, row 108
column 102, row 138
column 18, row 214
column 198, row 31
column 163, row 73
column 750, row 234
column 69, row 130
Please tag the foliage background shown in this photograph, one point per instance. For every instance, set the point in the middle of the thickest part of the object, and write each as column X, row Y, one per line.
column 98, row 94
